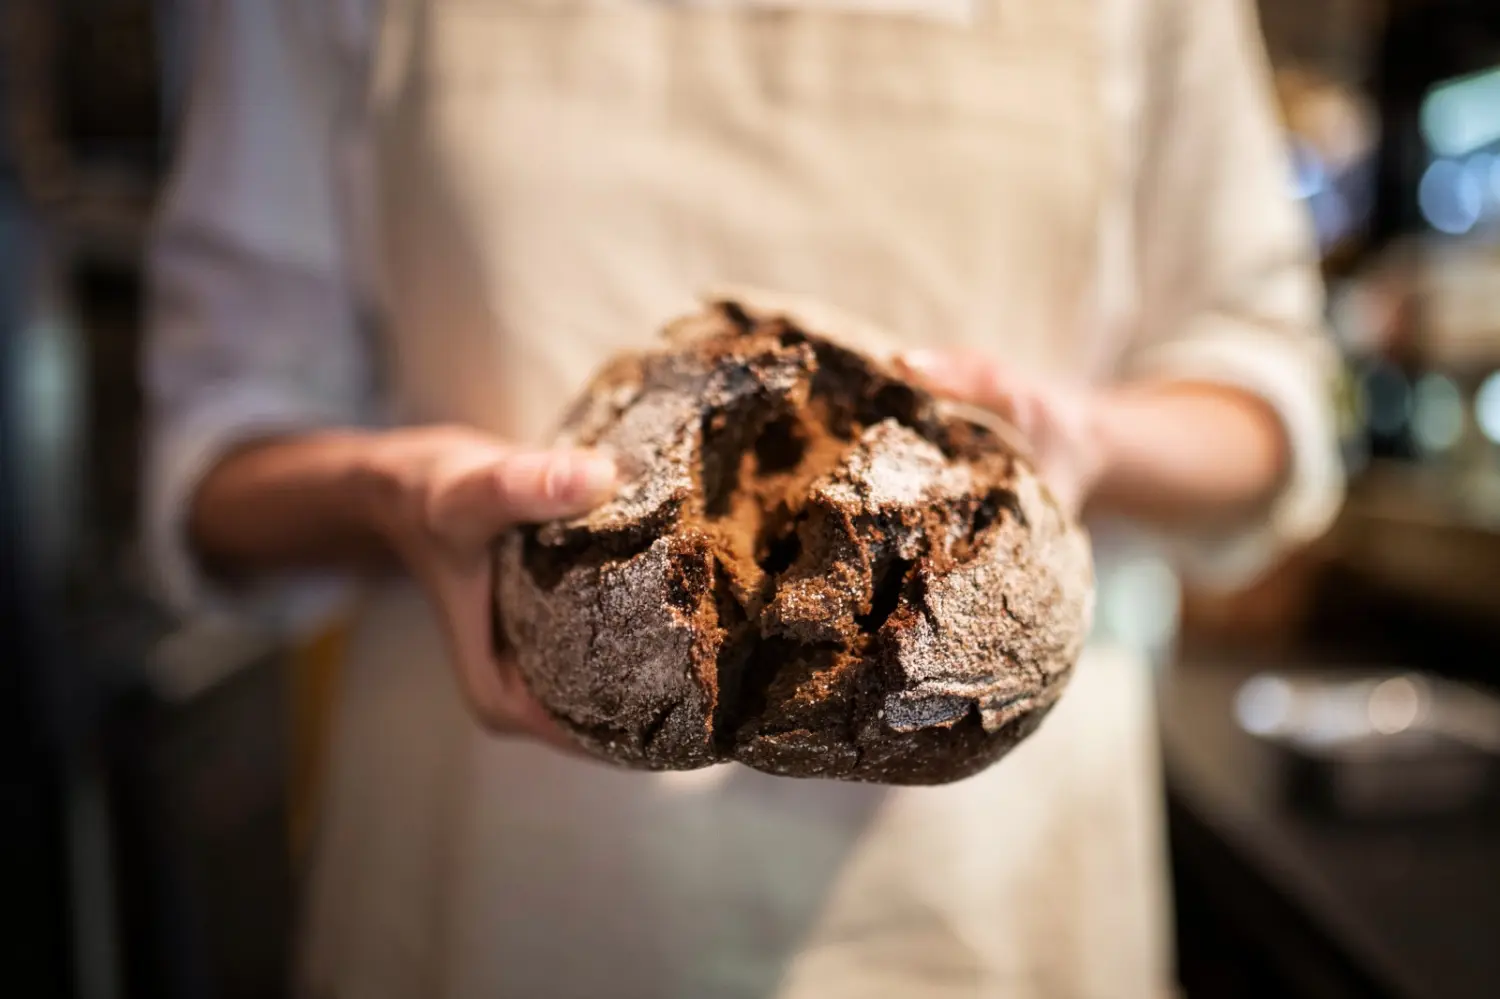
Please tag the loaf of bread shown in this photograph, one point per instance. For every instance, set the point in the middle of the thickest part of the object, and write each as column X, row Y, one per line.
column 812, row 567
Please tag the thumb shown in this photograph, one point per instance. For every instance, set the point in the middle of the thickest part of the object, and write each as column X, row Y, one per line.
column 517, row 487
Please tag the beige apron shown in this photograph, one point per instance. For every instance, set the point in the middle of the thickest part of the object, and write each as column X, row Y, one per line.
column 559, row 176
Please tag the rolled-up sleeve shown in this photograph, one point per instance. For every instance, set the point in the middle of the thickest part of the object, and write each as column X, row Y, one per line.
column 250, row 327
column 1229, row 280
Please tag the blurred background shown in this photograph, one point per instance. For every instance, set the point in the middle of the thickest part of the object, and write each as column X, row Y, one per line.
column 1330, row 738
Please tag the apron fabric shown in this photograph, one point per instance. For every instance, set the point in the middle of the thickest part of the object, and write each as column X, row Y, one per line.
column 556, row 178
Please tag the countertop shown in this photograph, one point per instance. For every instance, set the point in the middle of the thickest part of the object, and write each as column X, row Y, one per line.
column 1408, row 908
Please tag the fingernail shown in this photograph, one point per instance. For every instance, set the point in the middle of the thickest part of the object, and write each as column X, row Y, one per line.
column 592, row 476
column 923, row 362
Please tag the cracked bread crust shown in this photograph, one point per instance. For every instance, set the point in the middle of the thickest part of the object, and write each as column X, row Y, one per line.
column 812, row 567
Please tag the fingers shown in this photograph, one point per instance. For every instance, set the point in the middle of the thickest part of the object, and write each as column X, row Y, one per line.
column 1058, row 423
column 490, row 684
column 976, row 379
column 526, row 716
column 478, row 501
column 456, row 490
column 460, row 595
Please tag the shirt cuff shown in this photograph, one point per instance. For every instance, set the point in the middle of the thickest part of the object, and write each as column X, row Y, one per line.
column 1293, row 378
column 184, row 449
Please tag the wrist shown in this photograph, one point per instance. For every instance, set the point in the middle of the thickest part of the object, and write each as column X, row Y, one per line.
column 1109, row 421
column 377, row 480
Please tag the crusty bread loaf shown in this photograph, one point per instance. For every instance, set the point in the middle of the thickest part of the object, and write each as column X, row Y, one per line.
column 813, row 567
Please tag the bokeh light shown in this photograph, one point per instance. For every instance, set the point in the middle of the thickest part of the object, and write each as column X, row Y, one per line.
column 1487, row 407
column 1450, row 197
column 1395, row 705
column 1263, row 705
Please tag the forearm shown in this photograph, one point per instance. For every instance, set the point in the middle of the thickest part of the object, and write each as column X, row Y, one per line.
column 1187, row 452
column 286, row 502
column 355, row 498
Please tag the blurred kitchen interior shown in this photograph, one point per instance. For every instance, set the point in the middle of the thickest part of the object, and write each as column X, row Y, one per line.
column 1330, row 745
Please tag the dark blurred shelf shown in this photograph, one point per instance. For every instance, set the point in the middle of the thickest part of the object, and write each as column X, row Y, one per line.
column 1330, row 907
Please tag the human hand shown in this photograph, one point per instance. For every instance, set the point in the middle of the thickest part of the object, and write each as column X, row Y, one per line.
column 440, row 496
column 1062, row 423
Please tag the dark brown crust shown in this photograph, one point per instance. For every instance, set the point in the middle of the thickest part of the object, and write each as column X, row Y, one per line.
column 812, row 568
